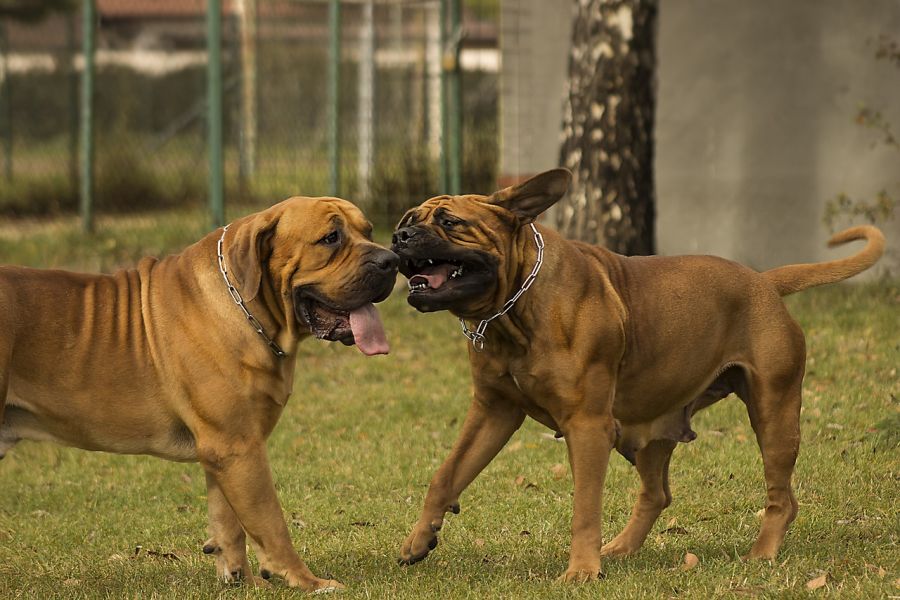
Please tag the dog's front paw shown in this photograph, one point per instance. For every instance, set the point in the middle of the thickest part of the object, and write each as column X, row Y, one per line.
column 420, row 542
column 619, row 546
column 315, row 585
column 581, row 574
column 231, row 564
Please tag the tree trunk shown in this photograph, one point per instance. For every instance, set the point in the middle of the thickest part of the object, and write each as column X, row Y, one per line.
column 608, row 126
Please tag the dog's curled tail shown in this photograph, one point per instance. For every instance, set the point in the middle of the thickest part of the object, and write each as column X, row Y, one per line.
column 793, row 278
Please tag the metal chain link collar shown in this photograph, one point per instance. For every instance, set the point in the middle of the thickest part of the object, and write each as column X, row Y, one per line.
column 236, row 296
column 477, row 336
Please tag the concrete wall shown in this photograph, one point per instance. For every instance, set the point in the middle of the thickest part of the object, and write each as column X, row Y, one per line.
column 755, row 119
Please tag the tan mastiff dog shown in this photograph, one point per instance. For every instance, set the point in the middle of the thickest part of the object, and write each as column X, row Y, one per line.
column 162, row 360
column 608, row 351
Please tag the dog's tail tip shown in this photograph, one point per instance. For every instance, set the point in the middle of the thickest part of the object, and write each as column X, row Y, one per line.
column 794, row 278
column 861, row 232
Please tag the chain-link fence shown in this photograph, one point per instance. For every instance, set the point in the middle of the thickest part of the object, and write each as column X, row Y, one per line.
column 149, row 108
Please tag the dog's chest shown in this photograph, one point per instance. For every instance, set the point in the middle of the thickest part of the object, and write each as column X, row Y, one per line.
column 526, row 390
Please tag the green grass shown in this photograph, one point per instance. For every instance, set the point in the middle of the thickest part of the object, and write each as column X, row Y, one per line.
column 361, row 437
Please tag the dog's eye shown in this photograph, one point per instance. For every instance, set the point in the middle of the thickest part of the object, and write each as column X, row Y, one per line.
column 331, row 239
column 449, row 223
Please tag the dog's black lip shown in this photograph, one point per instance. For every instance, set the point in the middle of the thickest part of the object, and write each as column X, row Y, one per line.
column 308, row 294
column 411, row 263
column 306, row 299
column 305, row 311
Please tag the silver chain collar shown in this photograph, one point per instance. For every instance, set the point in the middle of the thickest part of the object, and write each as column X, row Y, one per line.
column 477, row 336
column 236, row 296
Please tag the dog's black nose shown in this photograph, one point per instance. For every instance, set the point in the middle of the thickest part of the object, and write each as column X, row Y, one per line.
column 401, row 236
column 386, row 260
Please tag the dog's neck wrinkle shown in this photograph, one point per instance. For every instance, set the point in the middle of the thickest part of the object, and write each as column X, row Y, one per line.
column 522, row 253
column 261, row 307
column 274, row 321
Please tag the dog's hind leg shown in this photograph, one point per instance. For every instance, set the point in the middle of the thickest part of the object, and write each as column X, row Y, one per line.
column 652, row 463
column 773, row 403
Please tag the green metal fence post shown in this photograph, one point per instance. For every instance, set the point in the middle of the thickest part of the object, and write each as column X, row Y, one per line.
column 88, row 25
column 454, row 100
column 72, row 81
column 334, row 97
column 6, row 102
column 214, row 111
column 444, row 171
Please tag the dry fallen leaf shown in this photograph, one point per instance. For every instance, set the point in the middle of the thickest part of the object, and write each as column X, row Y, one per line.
column 882, row 572
column 520, row 480
column 362, row 524
column 479, row 542
column 690, row 561
column 559, row 471
column 676, row 529
column 818, row 582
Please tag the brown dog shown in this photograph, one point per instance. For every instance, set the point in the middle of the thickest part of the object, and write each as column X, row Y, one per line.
column 161, row 359
column 608, row 351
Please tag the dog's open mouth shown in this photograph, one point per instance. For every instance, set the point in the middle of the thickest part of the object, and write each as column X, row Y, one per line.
column 361, row 326
column 432, row 274
column 447, row 280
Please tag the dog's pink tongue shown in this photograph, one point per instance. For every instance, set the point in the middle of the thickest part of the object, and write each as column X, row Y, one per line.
column 436, row 276
column 368, row 332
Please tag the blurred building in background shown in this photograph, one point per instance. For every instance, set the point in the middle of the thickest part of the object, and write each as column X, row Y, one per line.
column 150, row 99
column 757, row 127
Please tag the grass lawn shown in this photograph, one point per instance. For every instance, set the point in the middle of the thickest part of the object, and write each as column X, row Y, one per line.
column 358, row 443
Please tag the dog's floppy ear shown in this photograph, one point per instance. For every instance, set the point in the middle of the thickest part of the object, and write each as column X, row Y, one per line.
column 533, row 196
column 247, row 250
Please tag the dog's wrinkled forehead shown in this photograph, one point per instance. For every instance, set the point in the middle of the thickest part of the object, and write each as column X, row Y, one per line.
column 451, row 210
column 314, row 218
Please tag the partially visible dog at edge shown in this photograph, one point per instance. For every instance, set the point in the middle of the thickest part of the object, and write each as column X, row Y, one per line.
column 609, row 352
column 192, row 357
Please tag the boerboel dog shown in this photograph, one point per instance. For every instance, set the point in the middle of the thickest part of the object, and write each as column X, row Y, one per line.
column 191, row 358
column 608, row 351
